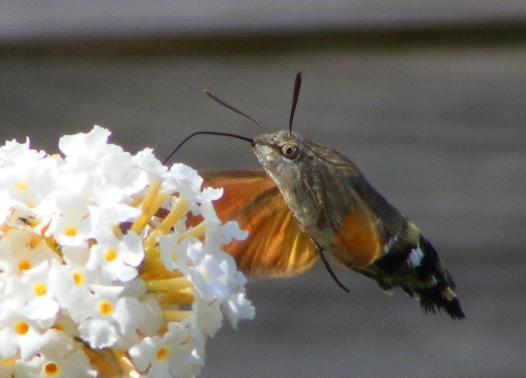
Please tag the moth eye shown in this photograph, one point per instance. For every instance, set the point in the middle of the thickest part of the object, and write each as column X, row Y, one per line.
column 290, row 151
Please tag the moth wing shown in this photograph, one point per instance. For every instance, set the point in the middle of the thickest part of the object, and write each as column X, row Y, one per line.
column 358, row 237
column 275, row 246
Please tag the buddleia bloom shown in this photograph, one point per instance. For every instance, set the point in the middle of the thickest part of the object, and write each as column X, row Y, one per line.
column 110, row 263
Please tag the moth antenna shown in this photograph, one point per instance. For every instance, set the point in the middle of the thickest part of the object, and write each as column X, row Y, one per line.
column 205, row 133
column 222, row 102
column 331, row 272
column 295, row 95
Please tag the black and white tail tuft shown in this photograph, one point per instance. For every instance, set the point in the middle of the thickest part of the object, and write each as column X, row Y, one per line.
column 413, row 264
column 440, row 295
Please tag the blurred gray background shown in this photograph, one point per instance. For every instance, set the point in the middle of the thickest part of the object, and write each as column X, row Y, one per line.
column 427, row 97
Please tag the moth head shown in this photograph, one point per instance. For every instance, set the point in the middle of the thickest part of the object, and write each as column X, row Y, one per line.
column 279, row 153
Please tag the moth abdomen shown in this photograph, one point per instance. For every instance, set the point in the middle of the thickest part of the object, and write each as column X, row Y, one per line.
column 440, row 294
column 436, row 299
column 414, row 266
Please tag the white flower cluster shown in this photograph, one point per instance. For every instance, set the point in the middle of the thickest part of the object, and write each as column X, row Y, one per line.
column 110, row 263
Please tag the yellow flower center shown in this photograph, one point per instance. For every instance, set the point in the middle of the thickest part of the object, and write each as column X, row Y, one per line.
column 50, row 369
column 9, row 361
column 21, row 185
column 70, row 231
column 162, row 353
column 34, row 240
column 110, row 254
column 21, row 328
column 78, row 278
column 105, row 308
column 23, row 265
column 40, row 289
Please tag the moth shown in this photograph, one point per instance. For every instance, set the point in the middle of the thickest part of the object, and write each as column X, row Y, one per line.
column 309, row 200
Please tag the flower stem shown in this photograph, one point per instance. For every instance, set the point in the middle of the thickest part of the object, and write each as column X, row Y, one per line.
column 183, row 296
column 178, row 209
column 127, row 367
column 169, row 284
column 175, row 315
column 104, row 367
column 197, row 232
column 150, row 204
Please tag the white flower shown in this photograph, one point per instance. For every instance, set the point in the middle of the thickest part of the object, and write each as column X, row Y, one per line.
column 105, row 218
column 174, row 253
column 118, row 259
column 210, row 277
column 21, row 250
column 208, row 316
column 61, row 357
column 152, row 315
column 110, row 316
column 39, row 286
column 146, row 160
column 110, row 263
column 109, row 174
column 84, row 151
column 75, row 294
column 185, row 180
column 172, row 355
column 18, row 333
column 26, row 186
column 214, row 277
column 224, row 234
column 69, row 221
column 76, row 272
column 238, row 307
column 17, row 154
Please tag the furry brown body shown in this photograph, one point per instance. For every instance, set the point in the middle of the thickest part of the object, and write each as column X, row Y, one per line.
column 344, row 215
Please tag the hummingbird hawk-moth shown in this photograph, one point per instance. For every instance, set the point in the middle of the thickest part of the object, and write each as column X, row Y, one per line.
column 310, row 199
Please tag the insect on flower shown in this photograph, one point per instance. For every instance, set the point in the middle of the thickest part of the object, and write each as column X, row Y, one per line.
column 310, row 199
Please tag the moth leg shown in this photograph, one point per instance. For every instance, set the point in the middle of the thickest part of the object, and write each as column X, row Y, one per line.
column 331, row 272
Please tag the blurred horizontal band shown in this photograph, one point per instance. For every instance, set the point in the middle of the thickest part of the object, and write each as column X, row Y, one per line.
column 367, row 36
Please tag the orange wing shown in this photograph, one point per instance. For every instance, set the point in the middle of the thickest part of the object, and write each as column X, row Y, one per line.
column 275, row 245
column 357, row 237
